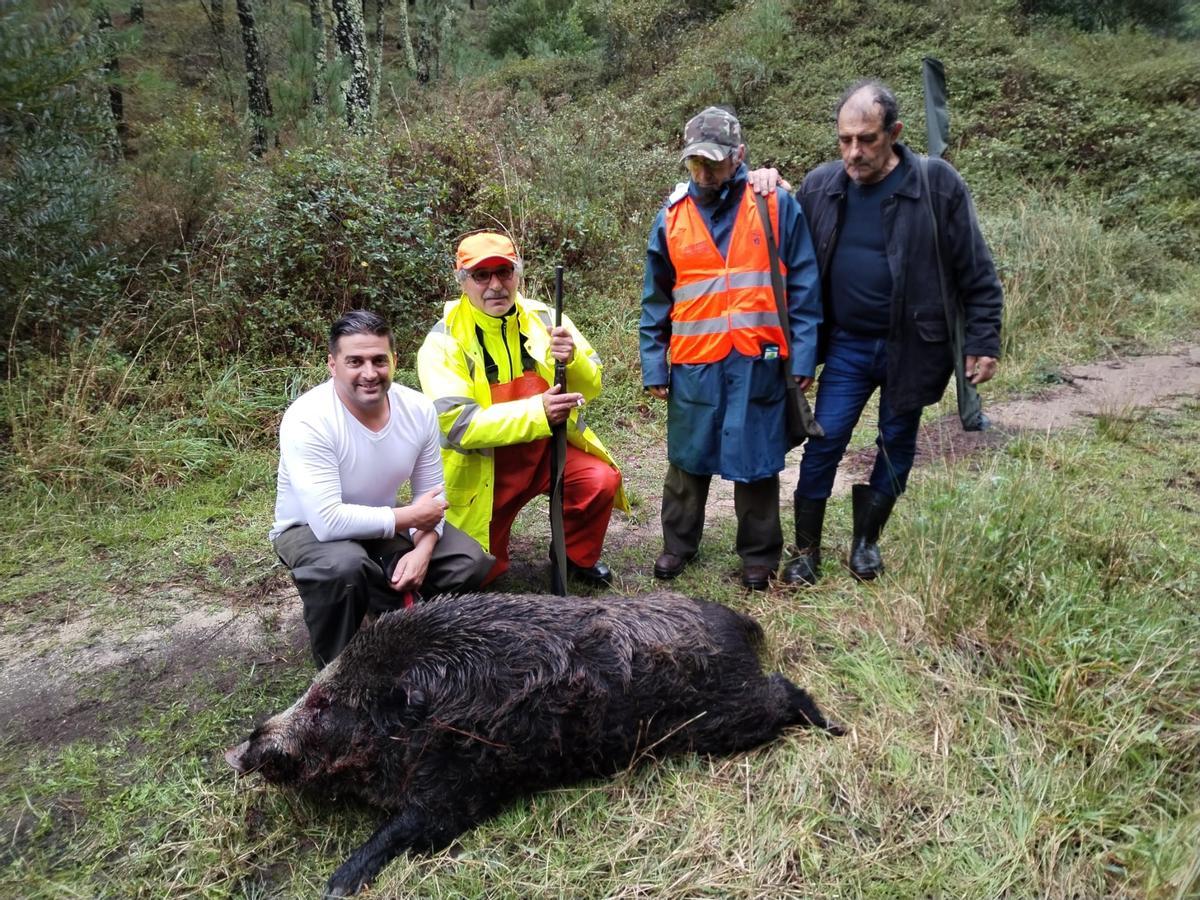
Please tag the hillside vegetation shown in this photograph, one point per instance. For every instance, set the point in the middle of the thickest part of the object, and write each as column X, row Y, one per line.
column 150, row 287
column 1022, row 687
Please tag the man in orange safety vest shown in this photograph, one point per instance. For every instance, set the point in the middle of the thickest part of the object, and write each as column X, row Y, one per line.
column 712, row 345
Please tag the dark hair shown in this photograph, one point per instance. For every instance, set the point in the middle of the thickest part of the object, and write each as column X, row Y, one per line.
column 358, row 321
column 880, row 93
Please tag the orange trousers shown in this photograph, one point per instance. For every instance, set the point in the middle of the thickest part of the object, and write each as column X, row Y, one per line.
column 523, row 472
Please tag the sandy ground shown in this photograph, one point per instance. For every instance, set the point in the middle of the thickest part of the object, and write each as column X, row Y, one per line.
column 61, row 680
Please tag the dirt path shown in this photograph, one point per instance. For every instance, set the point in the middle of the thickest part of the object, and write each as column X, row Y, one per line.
column 1082, row 392
column 61, row 680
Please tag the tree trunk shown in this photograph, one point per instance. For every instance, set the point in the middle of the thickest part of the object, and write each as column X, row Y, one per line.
column 318, row 26
column 376, row 42
column 405, row 42
column 112, row 73
column 445, row 26
column 349, row 29
column 257, row 95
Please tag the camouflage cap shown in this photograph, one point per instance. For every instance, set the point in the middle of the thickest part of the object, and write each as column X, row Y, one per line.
column 713, row 134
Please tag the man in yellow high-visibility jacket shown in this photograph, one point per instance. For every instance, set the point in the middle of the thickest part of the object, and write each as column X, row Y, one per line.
column 488, row 365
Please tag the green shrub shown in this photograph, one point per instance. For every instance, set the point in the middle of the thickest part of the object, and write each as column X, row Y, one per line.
column 321, row 231
column 638, row 36
column 57, row 181
column 1163, row 16
column 1070, row 113
column 538, row 28
column 183, row 167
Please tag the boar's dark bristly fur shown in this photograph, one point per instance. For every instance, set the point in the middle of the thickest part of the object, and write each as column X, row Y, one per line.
column 445, row 712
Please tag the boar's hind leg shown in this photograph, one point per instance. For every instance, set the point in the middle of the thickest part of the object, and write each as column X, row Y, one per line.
column 410, row 828
column 804, row 709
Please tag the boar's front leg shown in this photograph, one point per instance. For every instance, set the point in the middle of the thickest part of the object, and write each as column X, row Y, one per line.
column 411, row 828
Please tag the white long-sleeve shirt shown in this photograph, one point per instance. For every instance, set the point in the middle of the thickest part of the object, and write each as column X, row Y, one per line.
column 339, row 477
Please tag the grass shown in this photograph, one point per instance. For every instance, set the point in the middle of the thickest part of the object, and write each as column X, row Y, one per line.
column 1021, row 690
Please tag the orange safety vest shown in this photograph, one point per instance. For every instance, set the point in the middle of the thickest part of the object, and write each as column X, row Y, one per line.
column 722, row 304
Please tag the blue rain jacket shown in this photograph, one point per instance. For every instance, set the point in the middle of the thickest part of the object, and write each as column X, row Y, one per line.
column 726, row 418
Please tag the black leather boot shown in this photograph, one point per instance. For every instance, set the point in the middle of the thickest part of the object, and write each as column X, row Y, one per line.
column 871, row 511
column 804, row 567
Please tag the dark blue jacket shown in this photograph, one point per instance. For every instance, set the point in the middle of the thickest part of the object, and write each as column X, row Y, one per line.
column 726, row 418
column 919, row 356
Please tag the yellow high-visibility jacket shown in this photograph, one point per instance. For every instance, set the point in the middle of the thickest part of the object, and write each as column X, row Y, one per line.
column 451, row 367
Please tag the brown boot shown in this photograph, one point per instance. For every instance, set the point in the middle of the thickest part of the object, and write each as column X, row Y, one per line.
column 670, row 565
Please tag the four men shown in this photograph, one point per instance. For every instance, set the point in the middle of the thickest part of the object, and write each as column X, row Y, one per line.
column 712, row 346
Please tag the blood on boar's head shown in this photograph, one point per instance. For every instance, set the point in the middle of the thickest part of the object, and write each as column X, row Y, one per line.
column 319, row 743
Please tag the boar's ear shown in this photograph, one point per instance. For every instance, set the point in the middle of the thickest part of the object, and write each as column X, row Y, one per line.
column 401, row 706
column 236, row 757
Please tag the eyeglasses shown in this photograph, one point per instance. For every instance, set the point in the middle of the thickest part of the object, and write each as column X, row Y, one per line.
column 484, row 276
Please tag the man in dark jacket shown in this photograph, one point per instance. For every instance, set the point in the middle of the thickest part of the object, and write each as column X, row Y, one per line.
column 885, row 318
column 713, row 345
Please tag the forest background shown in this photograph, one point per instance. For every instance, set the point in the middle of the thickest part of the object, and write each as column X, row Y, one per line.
column 190, row 193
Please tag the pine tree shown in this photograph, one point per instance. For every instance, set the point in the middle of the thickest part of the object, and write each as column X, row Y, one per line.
column 349, row 29
column 258, row 97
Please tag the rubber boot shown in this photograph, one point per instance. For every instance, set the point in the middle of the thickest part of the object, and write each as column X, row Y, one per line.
column 871, row 512
column 805, row 566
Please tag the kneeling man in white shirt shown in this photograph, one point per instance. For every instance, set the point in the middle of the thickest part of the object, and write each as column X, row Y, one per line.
column 345, row 448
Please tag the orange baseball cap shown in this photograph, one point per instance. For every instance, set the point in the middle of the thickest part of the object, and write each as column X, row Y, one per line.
column 484, row 246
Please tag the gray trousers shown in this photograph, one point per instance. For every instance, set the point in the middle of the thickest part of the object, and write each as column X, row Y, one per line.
column 340, row 581
column 755, row 503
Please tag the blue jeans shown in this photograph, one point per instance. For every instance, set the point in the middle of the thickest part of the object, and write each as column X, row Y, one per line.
column 854, row 367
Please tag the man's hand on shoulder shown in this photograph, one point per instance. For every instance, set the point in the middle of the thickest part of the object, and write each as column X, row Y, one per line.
column 558, row 405
column 424, row 513
column 765, row 181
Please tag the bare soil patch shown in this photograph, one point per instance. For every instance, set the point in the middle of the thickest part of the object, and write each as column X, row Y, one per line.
column 84, row 679
column 61, row 681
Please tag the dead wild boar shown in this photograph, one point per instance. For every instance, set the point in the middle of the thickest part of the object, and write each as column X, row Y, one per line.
column 443, row 713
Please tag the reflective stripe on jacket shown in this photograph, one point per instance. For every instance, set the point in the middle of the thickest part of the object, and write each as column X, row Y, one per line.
column 451, row 367
column 722, row 304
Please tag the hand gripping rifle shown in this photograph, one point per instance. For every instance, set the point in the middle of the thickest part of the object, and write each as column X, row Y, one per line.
column 558, row 463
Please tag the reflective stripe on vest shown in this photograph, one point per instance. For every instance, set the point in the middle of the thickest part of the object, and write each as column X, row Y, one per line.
column 721, row 305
